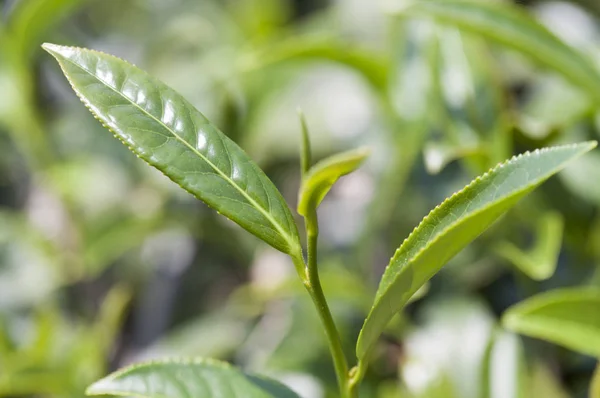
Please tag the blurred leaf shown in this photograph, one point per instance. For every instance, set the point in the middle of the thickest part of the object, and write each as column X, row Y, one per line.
column 165, row 130
column 200, row 378
column 111, row 317
column 514, row 28
column 545, row 383
column 454, row 224
column 540, row 261
column 568, row 317
column 507, row 370
column 449, row 345
column 103, row 248
column 321, row 177
column 551, row 105
column 371, row 65
column 438, row 156
column 595, row 384
column 225, row 332
column 578, row 175
column 30, row 19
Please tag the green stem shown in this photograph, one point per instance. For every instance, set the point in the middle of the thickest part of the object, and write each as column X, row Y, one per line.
column 312, row 283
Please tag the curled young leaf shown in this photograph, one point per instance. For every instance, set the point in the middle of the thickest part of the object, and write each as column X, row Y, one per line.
column 568, row 317
column 455, row 223
column 199, row 378
column 321, row 177
column 165, row 130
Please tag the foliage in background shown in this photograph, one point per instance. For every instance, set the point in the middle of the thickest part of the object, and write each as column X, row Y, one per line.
column 441, row 92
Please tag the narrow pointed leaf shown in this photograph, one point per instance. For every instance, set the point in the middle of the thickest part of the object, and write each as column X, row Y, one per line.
column 305, row 150
column 165, row 130
column 569, row 317
column 200, row 378
column 454, row 224
column 508, row 25
column 321, row 177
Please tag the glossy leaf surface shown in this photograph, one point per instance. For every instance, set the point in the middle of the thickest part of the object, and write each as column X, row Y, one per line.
column 165, row 130
column 454, row 224
column 321, row 177
column 512, row 27
column 568, row 317
column 188, row 378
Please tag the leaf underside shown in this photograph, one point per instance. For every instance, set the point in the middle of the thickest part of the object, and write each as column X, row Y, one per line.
column 165, row 130
column 454, row 224
column 569, row 317
column 199, row 378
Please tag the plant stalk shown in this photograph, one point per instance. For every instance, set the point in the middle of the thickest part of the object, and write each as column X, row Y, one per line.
column 312, row 283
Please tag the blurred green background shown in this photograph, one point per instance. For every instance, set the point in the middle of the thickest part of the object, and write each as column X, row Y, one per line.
column 103, row 261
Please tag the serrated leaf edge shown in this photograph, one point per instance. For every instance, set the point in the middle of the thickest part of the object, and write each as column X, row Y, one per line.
column 479, row 179
column 585, row 146
column 164, row 361
column 293, row 245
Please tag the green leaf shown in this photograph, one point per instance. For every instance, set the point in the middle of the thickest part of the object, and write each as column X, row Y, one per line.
column 370, row 64
column 200, row 378
column 568, row 317
column 455, row 223
column 30, row 19
column 321, row 177
column 595, row 384
column 540, row 261
column 305, row 150
column 510, row 26
column 165, row 130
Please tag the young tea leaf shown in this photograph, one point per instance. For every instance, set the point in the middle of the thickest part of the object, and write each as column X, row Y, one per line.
column 199, row 378
column 165, row 130
column 305, row 150
column 321, row 177
column 512, row 27
column 568, row 317
column 454, row 224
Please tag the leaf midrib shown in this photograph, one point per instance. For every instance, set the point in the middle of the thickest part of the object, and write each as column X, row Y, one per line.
column 214, row 167
column 470, row 215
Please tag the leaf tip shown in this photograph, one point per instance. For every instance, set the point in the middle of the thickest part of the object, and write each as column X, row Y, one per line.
column 95, row 388
column 51, row 48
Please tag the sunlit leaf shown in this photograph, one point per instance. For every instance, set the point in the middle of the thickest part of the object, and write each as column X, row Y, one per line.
column 568, row 317
column 321, row 177
column 539, row 262
column 454, row 224
column 201, row 378
column 512, row 27
column 165, row 130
